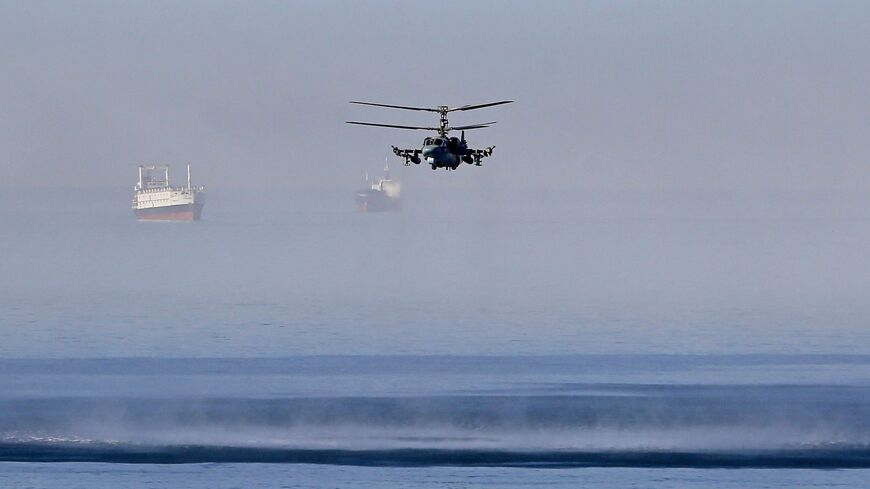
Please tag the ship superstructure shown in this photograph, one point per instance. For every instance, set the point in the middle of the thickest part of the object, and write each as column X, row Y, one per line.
column 382, row 195
column 155, row 199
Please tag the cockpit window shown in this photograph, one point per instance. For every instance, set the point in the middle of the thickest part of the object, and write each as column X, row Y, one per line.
column 438, row 141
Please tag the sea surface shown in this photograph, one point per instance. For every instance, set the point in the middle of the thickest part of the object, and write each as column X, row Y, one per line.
column 476, row 339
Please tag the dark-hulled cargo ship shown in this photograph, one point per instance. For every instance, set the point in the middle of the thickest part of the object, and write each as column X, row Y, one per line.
column 381, row 196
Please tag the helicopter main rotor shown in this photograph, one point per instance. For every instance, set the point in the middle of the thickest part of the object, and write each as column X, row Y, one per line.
column 443, row 127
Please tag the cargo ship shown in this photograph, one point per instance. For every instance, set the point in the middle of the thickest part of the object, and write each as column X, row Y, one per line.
column 154, row 199
column 381, row 196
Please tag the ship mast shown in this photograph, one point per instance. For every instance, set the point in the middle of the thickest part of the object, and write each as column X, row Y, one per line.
column 188, row 177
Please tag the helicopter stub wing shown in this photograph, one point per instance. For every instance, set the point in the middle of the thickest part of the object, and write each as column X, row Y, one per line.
column 477, row 155
column 410, row 155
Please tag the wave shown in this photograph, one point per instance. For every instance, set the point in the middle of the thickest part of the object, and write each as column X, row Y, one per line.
column 600, row 425
column 819, row 458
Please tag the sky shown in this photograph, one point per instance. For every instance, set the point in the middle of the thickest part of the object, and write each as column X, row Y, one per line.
column 693, row 96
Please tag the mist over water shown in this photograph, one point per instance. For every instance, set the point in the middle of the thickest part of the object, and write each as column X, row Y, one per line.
column 463, row 411
column 454, row 273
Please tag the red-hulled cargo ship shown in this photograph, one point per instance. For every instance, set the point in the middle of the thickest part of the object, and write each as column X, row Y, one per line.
column 154, row 199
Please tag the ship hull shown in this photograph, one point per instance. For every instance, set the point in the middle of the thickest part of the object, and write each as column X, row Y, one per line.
column 369, row 201
column 181, row 212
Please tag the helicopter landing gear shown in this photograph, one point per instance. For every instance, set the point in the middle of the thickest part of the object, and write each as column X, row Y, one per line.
column 434, row 167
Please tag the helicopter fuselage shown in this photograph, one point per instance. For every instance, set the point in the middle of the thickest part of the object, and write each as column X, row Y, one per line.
column 439, row 156
column 443, row 152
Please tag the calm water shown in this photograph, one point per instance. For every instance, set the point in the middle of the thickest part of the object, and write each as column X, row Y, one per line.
column 86, row 476
column 479, row 341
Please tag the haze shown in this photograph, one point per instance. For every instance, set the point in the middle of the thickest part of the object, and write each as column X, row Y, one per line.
column 649, row 96
column 673, row 177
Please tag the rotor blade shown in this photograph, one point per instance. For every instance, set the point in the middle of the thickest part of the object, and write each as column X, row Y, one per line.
column 392, row 125
column 395, row 106
column 480, row 106
column 473, row 126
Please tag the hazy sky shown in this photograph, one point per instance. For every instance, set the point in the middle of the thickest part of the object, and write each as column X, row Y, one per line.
column 650, row 96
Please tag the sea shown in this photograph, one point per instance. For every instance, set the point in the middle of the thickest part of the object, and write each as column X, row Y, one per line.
column 482, row 337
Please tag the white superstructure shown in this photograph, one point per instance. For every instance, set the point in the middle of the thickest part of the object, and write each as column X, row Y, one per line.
column 155, row 198
column 385, row 184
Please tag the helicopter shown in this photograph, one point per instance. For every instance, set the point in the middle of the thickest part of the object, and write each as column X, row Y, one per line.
column 440, row 151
